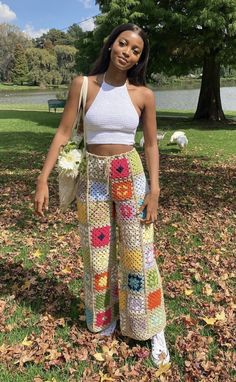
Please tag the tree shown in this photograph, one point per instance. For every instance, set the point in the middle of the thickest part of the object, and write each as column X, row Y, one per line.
column 20, row 67
column 10, row 37
column 42, row 67
column 184, row 35
column 65, row 61
column 87, row 51
column 74, row 33
column 52, row 37
column 193, row 34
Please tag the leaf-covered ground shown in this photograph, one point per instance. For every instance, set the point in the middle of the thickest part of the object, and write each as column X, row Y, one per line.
column 43, row 335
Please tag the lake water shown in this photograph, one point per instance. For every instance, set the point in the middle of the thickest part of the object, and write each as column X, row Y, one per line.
column 165, row 99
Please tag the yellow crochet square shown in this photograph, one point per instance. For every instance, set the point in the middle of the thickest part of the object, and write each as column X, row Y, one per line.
column 100, row 262
column 132, row 260
column 81, row 212
column 99, row 214
column 122, row 299
column 136, row 163
column 148, row 233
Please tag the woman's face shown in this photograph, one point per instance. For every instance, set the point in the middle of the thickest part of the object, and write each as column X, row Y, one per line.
column 126, row 50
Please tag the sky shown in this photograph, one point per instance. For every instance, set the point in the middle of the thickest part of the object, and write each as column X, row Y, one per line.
column 36, row 17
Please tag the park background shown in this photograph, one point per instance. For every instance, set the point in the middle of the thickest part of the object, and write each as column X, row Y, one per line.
column 192, row 70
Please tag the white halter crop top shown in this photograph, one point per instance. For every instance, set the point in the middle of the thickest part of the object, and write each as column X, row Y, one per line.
column 112, row 117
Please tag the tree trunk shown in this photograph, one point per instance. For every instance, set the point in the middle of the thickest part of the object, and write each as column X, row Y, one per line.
column 209, row 102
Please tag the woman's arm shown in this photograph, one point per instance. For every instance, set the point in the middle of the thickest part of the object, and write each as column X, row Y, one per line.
column 61, row 137
column 64, row 129
column 151, row 154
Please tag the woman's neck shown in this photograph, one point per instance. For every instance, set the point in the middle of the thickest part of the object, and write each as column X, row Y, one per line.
column 115, row 78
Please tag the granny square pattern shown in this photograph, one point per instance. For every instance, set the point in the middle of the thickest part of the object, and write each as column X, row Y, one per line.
column 103, row 318
column 122, row 190
column 121, row 278
column 101, row 281
column 154, row 299
column 120, row 168
column 135, row 282
column 101, row 236
column 98, row 191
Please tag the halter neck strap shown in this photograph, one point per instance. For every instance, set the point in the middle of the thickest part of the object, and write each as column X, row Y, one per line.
column 114, row 86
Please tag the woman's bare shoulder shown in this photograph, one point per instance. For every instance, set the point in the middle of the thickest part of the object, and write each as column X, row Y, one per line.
column 146, row 91
column 77, row 81
column 148, row 95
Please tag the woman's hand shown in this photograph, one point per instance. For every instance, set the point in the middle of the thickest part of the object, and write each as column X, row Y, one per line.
column 151, row 204
column 41, row 197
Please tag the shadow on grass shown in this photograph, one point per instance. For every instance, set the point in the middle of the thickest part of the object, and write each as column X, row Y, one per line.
column 16, row 144
column 40, row 117
column 41, row 293
column 173, row 123
column 185, row 119
column 192, row 185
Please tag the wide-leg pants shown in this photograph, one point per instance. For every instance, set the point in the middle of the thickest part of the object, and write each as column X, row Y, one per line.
column 121, row 277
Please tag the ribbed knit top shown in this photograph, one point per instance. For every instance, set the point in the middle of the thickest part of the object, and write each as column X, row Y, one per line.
column 112, row 117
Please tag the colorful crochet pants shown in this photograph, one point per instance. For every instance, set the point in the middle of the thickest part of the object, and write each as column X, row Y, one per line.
column 121, row 278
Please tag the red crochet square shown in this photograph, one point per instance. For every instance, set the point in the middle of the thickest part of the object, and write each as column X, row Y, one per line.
column 103, row 318
column 122, row 190
column 101, row 236
column 154, row 299
column 119, row 168
column 127, row 211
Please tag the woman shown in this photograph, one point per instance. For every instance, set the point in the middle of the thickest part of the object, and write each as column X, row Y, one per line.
column 113, row 192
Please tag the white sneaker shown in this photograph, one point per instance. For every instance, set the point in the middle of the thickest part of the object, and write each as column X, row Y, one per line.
column 160, row 354
column 109, row 330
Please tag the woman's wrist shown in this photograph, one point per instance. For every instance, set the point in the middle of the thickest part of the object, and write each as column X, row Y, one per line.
column 42, row 178
column 155, row 191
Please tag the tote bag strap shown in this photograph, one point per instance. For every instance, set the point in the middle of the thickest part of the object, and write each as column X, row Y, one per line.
column 84, row 92
column 82, row 102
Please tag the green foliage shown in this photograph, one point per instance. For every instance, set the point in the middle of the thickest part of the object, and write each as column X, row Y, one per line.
column 65, row 61
column 74, row 33
column 10, row 37
column 87, row 51
column 180, row 33
column 42, row 67
column 20, row 68
column 53, row 37
column 190, row 30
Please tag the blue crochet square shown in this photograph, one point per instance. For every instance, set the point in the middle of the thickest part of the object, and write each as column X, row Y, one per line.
column 135, row 282
column 98, row 191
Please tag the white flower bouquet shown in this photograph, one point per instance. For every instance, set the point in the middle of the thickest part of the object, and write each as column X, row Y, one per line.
column 70, row 157
column 68, row 164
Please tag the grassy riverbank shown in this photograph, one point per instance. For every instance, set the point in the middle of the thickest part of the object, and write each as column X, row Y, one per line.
column 43, row 334
column 171, row 83
column 190, row 83
column 15, row 88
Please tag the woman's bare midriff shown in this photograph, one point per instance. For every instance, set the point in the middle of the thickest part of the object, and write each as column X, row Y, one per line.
column 108, row 149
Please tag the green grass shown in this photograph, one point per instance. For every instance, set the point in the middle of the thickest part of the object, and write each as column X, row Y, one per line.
column 43, row 293
column 15, row 88
column 11, row 87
